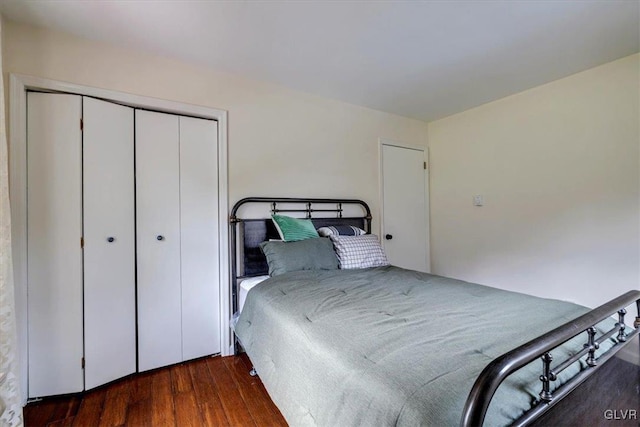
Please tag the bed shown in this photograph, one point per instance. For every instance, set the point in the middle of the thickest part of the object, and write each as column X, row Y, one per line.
column 387, row 346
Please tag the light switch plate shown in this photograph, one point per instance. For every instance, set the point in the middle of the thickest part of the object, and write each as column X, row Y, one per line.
column 478, row 200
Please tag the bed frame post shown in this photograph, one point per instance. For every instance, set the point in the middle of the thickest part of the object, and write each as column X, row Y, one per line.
column 621, row 335
column 233, row 228
column 592, row 345
column 546, row 377
column 636, row 324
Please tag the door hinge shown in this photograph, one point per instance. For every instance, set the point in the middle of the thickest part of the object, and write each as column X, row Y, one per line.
column 425, row 165
column 81, row 124
column 82, row 362
column 82, row 242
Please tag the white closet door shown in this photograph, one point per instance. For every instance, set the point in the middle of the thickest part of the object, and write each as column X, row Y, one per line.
column 54, row 224
column 109, row 242
column 405, row 207
column 199, row 237
column 158, row 239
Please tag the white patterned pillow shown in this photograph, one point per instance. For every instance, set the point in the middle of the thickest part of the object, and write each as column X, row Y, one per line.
column 359, row 251
column 340, row 230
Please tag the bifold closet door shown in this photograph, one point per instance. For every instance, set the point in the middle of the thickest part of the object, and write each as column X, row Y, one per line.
column 54, row 230
column 199, row 237
column 109, row 242
column 158, row 239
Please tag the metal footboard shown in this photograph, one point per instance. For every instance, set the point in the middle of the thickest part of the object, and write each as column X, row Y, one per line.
column 497, row 371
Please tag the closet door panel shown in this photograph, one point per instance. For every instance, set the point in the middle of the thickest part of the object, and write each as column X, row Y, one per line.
column 54, row 224
column 158, row 239
column 109, row 242
column 199, row 237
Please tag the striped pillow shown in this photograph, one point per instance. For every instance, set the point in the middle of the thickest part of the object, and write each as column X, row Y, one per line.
column 359, row 251
column 341, row 230
column 294, row 229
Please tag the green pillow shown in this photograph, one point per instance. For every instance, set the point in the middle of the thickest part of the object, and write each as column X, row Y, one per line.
column 294, row 229
column 309, row 254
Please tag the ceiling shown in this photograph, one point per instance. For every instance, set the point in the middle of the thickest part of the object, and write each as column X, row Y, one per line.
column 424, row 60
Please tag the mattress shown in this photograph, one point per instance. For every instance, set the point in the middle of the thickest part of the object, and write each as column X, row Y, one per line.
column 245, row 286
column 388, row 346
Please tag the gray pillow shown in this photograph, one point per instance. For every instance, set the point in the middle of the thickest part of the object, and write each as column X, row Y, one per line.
column 308, row 254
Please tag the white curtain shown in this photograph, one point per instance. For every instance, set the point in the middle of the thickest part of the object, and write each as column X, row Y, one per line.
column 10, row 400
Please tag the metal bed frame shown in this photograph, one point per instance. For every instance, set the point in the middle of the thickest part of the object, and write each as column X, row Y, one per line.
column 254, row 231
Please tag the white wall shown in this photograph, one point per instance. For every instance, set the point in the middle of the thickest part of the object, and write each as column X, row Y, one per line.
column 558, row 166
column 281, row 142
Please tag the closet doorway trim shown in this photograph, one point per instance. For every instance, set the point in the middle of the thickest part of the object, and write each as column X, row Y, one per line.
column 19, row 85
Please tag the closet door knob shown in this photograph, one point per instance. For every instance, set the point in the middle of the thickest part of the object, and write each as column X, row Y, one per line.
column 388, row 236
column 160, row 237
column 111, row 239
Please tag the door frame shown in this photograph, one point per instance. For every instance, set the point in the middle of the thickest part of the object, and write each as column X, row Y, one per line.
column 19, row 84
column 425, row 150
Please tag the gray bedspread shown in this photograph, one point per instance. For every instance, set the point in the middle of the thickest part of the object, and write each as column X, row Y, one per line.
column 388, row 346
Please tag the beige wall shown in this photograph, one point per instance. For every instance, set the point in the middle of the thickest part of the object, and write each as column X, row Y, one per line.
column 281, row 142
column 558, row 166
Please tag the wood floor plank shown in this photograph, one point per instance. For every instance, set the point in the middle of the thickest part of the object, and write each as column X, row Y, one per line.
column 41, row 413
column 207, row 394
column 203, row 387
column 163, row 411
column 66, row 407
column 187, row 410
column 90, row 409
column 213, row 415
column 74, row 405
column 139, row 413
column 140, row 386
column 114, row 412
column 232, row 402
column 260, row 406
column 181, row 379
column 65, row 422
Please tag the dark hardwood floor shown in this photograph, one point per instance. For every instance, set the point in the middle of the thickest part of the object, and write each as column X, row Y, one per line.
column 213, row 391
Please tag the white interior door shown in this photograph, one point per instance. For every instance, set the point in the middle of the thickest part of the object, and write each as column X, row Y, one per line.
column 405, row 207
column 158, row 237
column 109, row 242
column 199, row 237
column 54, row 230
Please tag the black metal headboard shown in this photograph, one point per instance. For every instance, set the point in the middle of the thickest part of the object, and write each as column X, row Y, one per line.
column 246, row 234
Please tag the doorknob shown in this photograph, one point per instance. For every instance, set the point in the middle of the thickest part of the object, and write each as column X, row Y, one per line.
column 111, row 239
column 160, row 237
column 388, row 236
